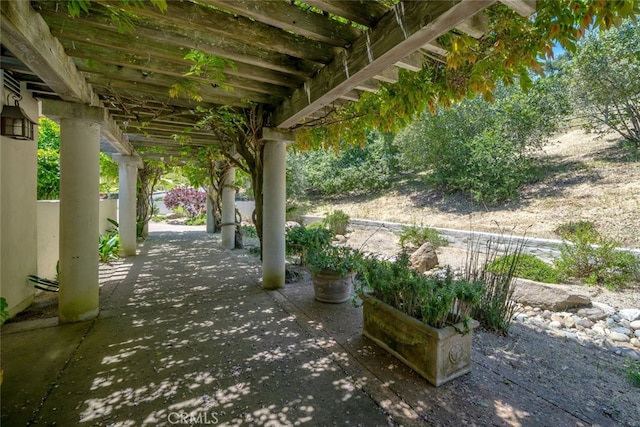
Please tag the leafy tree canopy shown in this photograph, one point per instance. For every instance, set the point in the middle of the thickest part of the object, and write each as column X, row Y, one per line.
column 513, row 46
column 604, row 74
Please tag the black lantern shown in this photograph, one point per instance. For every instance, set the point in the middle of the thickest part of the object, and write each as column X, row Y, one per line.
column 15, row 123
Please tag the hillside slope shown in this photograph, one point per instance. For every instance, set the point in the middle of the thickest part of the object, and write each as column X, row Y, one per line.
column 591, row 178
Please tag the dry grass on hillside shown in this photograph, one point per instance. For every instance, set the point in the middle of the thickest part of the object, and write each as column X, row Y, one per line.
column 593, row 179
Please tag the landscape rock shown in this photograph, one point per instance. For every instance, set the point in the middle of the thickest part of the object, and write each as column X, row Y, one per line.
column 555, row 325
column 291, row 224
column 340, row 238
column 424, row 258
column 593, row 313
column 608, row 310
column 585, row 323
column 599, row 329
column 631, row 314
column 618, row 337
column 635, row 325
column 549, row 297
column 621, row 330
column 635, row 342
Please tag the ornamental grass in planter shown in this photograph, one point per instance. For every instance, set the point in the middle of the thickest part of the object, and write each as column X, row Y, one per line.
column 332, row 271
column 422, row 320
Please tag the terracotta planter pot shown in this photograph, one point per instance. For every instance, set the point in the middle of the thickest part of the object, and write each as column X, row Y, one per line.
column 332, row 287
column 439, row 355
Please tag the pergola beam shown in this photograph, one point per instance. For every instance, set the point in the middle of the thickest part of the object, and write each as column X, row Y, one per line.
column 289, row 17
column 406, row 28
column 28, row 37
column 522, row 7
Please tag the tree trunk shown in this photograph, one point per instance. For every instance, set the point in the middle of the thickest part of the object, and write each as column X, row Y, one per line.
column 147, row 179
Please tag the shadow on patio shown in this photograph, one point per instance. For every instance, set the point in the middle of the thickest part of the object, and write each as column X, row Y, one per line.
column 186, row 335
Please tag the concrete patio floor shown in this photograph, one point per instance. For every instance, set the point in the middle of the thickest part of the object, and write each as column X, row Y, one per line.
column 186, row 335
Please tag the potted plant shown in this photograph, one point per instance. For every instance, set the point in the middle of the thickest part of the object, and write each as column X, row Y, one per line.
column 332, row 271
column 422, row 320
column 299, row 239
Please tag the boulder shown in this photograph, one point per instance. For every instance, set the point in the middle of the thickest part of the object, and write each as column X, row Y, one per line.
column 291, row 224
column 548, row 297
column 424, row 258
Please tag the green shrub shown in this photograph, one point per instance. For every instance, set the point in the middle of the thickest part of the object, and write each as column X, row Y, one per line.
column 415, row 236
column 485, row 149
column 527, row 266
column 300, row 239
column 569, row 228
column 4, row 313
column 197, row 220
column 109, row 243
column 360, row 169
column 249, row 231
column 596, row 260
column 339, row 259
column 337, row 222
column 633, row 372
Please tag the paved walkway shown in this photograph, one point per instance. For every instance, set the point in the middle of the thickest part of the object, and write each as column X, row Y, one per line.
column 186, row 335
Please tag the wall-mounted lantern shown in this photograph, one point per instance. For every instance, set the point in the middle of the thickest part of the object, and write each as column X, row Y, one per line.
column 15, row 123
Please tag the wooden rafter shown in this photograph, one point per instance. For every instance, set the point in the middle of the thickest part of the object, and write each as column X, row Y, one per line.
column 400, row 32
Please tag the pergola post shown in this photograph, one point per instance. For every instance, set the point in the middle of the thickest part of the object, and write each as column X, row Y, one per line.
column 127, row 178
column 229, row 209
column 211, row 221
column 274, row 208
column 79, row 204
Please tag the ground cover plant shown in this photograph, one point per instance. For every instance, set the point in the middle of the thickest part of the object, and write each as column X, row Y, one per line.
column 595, row 259
column 415, row 236
column 337, row 221
column 527, row 266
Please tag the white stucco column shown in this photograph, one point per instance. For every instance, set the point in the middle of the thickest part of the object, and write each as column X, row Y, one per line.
column 274, row 209
column 229, row 209
column 79, row 217
column 211, row 221
column 127, row 177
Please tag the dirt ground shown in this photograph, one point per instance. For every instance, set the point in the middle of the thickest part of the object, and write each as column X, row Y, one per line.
column 592, row 178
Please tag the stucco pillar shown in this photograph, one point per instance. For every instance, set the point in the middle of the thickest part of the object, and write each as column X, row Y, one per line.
column 18, row 211
column 274, row 212
column 211, row 221
column 79, row 217
column 127, row 178
column 229, row 209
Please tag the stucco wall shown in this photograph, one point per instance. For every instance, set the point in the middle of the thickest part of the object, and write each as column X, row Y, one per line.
column 18, row 218
column 49, row 235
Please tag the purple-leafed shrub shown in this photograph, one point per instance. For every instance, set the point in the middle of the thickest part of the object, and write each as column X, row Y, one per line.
column 193, row 202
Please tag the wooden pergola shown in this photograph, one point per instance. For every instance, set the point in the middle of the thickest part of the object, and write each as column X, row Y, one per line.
column 296, row 60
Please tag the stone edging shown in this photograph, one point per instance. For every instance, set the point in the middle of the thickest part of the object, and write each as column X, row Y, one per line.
column 546, row 249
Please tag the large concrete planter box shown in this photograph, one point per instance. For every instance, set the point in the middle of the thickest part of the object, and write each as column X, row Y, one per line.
column 439, row 355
